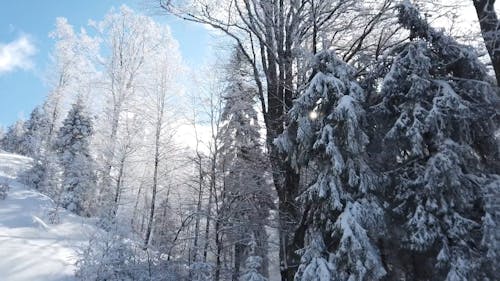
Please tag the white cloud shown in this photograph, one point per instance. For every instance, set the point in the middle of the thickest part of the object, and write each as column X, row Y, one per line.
column 16, row 54
column 186, row 136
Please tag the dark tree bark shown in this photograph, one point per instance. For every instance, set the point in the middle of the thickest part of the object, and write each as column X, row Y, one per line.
column 154, row 187
column 118, row 186
column 488, row 21
column 220, row 248
column 195, row 250
column 238, row 260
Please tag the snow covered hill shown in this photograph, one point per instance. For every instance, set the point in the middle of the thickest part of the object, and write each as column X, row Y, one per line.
column 31, row 249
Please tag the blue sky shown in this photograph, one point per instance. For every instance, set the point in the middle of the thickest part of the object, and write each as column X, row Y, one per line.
column 25, row 45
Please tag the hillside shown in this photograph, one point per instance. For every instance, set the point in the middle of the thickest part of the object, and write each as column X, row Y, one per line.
column 32, row 249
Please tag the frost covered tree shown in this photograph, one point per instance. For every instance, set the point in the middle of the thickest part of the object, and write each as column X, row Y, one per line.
column 435, row 121
column 252, row 267
column 276, row 38
column 128, row 40
column 71, row 71
column 326, row 137
column 13, row 138
column 110, row 256
column 252, row 264
column 35, row 133
column 158, row 113
column 491, row 223
column 200, row 271
column 314, row 263
column 43, row 175
column 247, row 197
column 72, row 146
column 68, row 75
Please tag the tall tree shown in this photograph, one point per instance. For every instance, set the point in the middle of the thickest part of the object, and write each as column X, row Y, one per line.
column 246, row 197
column 128, row 40
column 436, row 121
column 70, row 71
column 72, row 145
column 37, row 144
column 35, row 133
column 158, row 114
column 273, row 36
column 326, row 136
column 252, row 265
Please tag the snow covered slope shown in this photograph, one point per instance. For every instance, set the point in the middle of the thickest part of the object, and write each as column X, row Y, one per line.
column 31, row 249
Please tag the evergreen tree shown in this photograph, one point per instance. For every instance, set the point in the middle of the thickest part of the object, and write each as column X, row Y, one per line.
column 247, row 197
column 252, row 265
column 314, row 264
column 72, row 146
column 200, row 271
column 36, row 128
column 326, row 138
column 12, row 141
column 43, row 173
column 436, row 121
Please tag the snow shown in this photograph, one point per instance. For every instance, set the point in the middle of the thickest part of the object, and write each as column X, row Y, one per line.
column 30, row 247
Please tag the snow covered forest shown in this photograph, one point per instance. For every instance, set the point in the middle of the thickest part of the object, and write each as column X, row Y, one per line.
column 342, row 140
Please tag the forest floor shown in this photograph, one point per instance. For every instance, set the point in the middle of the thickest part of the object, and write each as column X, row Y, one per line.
column 31, row 249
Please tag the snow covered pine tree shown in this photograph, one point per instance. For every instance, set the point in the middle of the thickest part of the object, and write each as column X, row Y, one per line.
column 326, row 137
column 12, row 140
column 252, row 264
column 72, row 145
column 36, row 144
column 246, row 197
column 435, row 120
column 35, row 133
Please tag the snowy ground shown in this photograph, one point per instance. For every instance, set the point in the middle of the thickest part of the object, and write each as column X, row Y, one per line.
column 30, row 248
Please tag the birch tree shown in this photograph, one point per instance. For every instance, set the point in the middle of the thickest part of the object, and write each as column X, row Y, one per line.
column 126, row 42
column 163, row 66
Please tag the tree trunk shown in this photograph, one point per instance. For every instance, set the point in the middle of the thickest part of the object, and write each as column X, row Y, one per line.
column 238, row 259
column 290, row 239
column 219, row 245
column 207, row 225
column 194, row 255
column 53, row 121
column 136, row 207
column 118, row 187
column 262, row 249
column 155, row 182
column 285, row 179
column 490, row 30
